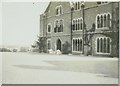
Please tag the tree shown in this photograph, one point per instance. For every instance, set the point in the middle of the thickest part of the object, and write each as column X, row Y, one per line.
column 66, row 48
column 41, row 43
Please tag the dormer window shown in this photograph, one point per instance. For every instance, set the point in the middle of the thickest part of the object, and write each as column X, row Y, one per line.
column 77, row 5
column 59, row 10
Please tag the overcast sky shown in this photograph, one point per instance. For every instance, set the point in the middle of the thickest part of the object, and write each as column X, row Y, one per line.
column 20, row 22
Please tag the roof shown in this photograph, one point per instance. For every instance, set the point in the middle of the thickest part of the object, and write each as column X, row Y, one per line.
column 71, row 5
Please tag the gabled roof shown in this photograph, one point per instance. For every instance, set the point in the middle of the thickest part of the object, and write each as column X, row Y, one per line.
column 71, row 5
column 47, row 7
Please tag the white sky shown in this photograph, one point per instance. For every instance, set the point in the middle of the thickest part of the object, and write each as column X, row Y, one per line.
column 20, row 22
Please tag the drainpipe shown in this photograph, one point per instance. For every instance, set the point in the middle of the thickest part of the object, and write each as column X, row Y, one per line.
column 82, row 6
column 112, row 53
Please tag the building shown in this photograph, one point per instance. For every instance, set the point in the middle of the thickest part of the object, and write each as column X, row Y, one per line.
column 90, row 28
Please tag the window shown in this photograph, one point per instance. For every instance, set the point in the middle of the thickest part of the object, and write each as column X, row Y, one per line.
column 81, row 23
column 103, row 45
column 77, row 5
column 73, row 24
column 77, row 44
column 61, row 25
column 77, row 24
column 48, row 43
column 59, row 10
column 98, row 22
column 58, row 26
column 103, row 20
column 108, row 18
column 49, row 26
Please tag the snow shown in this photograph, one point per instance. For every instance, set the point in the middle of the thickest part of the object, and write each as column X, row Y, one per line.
column 33, row 68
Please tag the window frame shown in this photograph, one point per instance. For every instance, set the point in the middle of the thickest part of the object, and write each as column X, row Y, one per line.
column 103, row 27
column 75, row 49
column 60, row 10
column 50, row 27
column 104, row 53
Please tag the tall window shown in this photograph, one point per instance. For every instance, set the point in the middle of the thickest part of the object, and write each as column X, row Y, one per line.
column 58, row 26
column 76, row 28
column 77, row 24
column 103, row 20
column 73, row 24
column 59, row 10
column 49, row 26
column 103, row 45
column 77, row 44
column 61, row 25
column 108, row 18
column 77, row 5
column 81, row 23
column 98, row 22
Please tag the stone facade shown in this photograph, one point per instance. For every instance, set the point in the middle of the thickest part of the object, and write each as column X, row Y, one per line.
column 88, row 27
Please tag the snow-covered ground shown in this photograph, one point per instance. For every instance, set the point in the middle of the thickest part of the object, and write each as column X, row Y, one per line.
column 0, row 68
column 29, row 68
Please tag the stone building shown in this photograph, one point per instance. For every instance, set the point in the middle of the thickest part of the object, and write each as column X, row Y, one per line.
column 90, row 28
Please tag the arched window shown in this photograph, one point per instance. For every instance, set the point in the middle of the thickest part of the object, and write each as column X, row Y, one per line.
column 58, row 10
column 104, row 45
column 98, row 48
column 76, row 24
column 108, row 45
column 81, row 24
column 56, row 26
column 101, row 21
column 101, row 42
column 73, row 25
column 49, row 26
column 76, row 6
column 73, row 45
column 108, row 22
column 80, row 44
column 61, row 25
column 105, row 21
column 98, row 22
column 77, row 44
